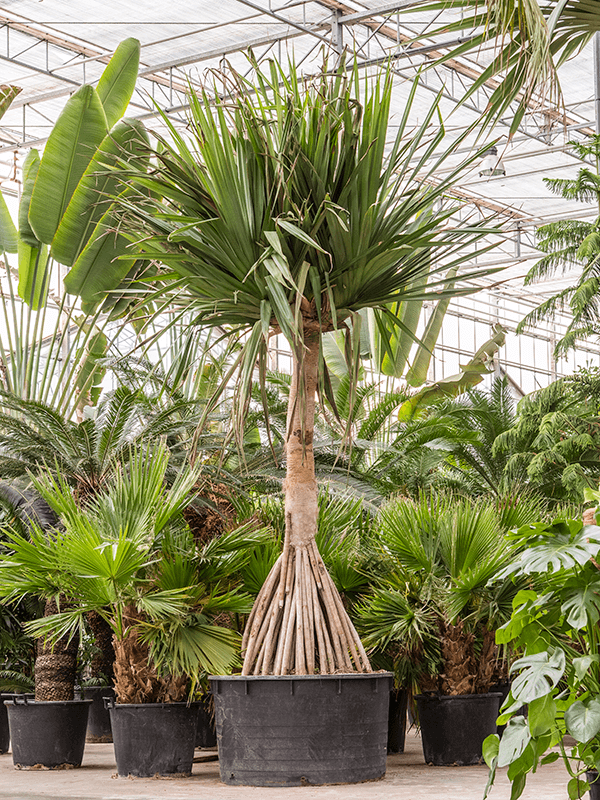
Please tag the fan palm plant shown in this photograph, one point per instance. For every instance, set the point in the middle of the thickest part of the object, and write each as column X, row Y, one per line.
column 128, row 556
column 433, row 611
column 287, row 213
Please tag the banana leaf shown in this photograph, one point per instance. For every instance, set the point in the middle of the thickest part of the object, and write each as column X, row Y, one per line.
column 31, row 166
column 471, row 374
column 8, row 232
column 117, row 83
column 76, row 136
column 92, row 197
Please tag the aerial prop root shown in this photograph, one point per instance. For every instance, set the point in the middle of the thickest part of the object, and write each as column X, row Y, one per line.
column 298, row 624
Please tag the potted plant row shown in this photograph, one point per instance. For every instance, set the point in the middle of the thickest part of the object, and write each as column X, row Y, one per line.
column 129, row 557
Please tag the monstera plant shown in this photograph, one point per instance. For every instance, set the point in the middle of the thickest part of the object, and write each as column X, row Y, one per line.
column 557, row 679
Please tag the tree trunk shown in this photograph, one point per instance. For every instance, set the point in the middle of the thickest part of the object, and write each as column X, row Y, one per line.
column 298, row 624
column 55, row 667
column 102, row 664
column 136, row 679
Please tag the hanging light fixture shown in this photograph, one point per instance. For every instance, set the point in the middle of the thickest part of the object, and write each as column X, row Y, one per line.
column 491, row 165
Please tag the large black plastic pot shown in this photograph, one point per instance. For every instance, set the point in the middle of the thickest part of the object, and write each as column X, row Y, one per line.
column 50, row 733
column 592, row 778
column 153, row 738
column 98, row 727
column 397, row 721
column 294, row 730
column 453, row 728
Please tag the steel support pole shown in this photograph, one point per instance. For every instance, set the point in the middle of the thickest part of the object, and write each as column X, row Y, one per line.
column 597, row 80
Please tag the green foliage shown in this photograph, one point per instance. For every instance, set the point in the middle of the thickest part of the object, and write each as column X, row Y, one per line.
column 7, row 95
column 343, row 539
column 45, row 353
column 286, row 210
column 572, row 244
column 553, row 443
column 471, row 374
column 128, row 548
column 36, row 439
column 8, row 232
column 438, row 553
column 531, row 39
column 78, row 132
column 117, row 82
column 554, row 624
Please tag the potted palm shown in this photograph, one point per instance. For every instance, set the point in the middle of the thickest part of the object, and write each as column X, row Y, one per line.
column 128, row 556
column 287, row 214
column 433, row 613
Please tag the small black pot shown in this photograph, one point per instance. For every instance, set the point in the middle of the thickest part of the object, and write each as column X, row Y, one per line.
column 294, row 730
column 153, row 738
column 453, row 727
column 592, row 778
column 206, row 733
column 50, row 733
column 397, row 721
column 4, row 730
column 98, row 727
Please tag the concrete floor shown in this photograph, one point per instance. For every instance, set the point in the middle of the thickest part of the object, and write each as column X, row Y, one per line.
column 407, row 778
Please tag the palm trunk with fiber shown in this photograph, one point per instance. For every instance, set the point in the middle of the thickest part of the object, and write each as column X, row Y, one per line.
column 55, row 665
column 102, row 664
column 299, row 624
column 135, row 677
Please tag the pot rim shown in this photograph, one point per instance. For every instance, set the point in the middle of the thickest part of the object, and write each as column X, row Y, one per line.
column 435, row 696
column 28, row 702
column 335, row 677
column 178, row 704
column 95, row 686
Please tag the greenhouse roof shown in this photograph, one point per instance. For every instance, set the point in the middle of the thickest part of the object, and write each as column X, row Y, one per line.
column 50, row 48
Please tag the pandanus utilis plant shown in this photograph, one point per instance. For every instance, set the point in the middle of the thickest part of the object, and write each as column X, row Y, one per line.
column 287, row 213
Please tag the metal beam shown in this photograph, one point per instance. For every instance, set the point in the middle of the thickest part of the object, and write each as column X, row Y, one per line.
column 285, row 21
column 235, row 47
column 387, row 8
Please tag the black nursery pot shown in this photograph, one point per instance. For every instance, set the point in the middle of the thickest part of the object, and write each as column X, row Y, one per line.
column 50, row 733
column 294, row 730
column 592, row 778
column 453, row 727
column 153, row 738
column 206, row 734
column 98, row 727
column 4, row 731
column 397, row 721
